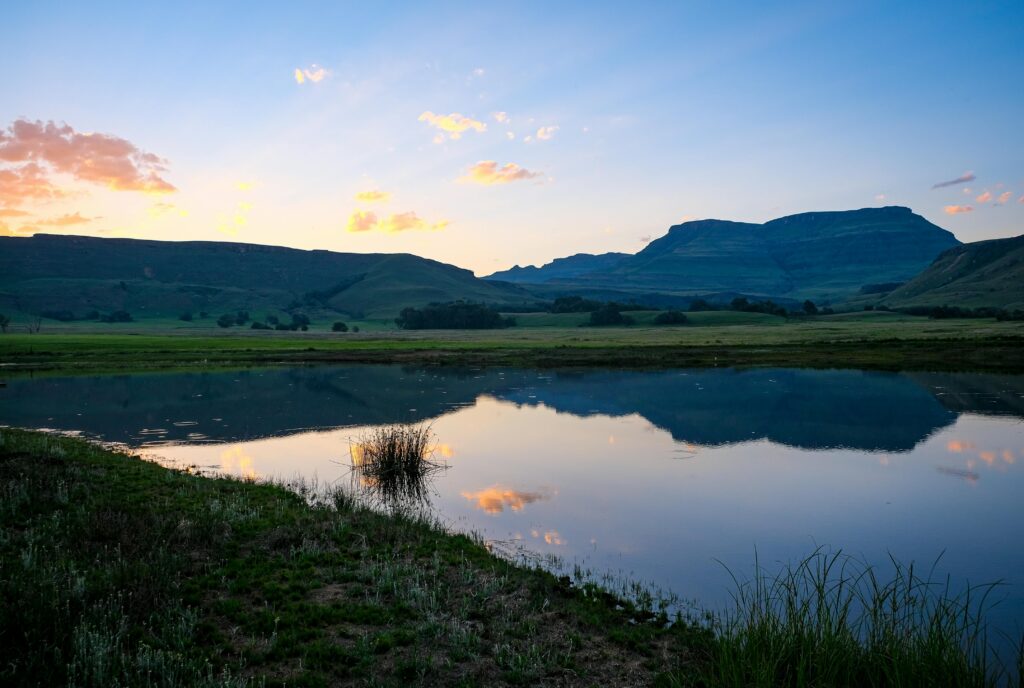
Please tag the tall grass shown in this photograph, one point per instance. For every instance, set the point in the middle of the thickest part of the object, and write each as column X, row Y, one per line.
column 834, row 620
column 393, row 463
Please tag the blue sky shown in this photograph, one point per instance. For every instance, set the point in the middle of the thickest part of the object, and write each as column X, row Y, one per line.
column 620, row 120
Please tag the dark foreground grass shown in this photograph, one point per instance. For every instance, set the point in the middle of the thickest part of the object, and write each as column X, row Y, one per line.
column 118, row 572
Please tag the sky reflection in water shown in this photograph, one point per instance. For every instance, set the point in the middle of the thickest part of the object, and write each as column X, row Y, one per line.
column 654, row 474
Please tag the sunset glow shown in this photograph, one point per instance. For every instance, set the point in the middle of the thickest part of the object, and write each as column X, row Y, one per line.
column 357, row 128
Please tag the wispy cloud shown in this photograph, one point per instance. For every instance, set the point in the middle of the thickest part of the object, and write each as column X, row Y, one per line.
column 35, row 151
column 162, row 209
column 984, row 197
column 314, row 73
column 232, row 223
column 546, row 133
column 373, row 196
column 366, row 221
column 957, row 209
column 13, row 212
column 501, row 117
column 487, row 172
column 962, row 179
column 1004, row 198
column 455, row 125
column 65, row 220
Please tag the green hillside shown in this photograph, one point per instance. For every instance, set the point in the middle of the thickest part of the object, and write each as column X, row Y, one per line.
column 983, row 273
column 821, row 255
column 47, row 273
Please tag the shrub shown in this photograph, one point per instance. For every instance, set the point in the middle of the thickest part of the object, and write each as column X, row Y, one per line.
column 700, row 305
column 574, row 304
column 671, row 318
column 257, row 325
column 458, row 315
column 117, row 316
column 242, row 317
column 810, row 308
column 339, row 327
column 226, row 320
column 186, row 317
column 609, row 314
column 62, row 315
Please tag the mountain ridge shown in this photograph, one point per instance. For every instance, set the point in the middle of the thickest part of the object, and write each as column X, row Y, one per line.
column 819, row 254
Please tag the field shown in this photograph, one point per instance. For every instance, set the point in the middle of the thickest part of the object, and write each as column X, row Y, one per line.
column 868, row 340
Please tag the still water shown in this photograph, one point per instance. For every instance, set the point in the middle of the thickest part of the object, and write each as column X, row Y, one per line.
column 660, row 476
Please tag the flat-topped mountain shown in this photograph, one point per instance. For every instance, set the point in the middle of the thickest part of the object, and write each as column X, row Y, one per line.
column 982, row 273
column 47, row 273
column 811, row 255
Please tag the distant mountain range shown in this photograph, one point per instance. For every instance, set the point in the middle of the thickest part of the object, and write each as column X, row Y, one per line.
column 50, row 273
column 822, row 255
column 983, row 273
column 874, row 255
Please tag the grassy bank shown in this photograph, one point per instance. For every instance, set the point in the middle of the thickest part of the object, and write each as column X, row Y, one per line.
column 878, row 341
column 115, row 571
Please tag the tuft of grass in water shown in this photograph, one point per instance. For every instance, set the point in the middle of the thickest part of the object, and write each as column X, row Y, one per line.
column 394, row 464
column 834, row 620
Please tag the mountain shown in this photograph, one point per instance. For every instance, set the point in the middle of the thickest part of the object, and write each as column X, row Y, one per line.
column 560, row 268
column 163, row 278
column 983, row 273
column 820, row 255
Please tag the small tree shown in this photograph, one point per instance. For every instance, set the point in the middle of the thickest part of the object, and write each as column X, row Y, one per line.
column 355, row 328
column 339, row 327
column 185, row 317
column 5, row 322
column 609, row 314
column 671, row 318
column 226, row 320
column 242, row 317
column 810, row 308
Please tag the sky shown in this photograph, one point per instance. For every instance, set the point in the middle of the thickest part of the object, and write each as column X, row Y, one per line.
column 487, row 135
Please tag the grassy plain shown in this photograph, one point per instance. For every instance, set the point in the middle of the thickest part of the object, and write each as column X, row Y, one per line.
column 868, row 340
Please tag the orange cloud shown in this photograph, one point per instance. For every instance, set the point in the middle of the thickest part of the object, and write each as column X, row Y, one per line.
column 373, row 196
column 985, row 197
column 41, row 148
column 495, row 499
column 365, row 221
column 12, row 212
column 546, row 133
column 957, row 209
column 314, row 73
column 29, row 181
column 487, row 172
column 1004, row 198
column 64, row 220
column 959, row 446
column 235, row 461
column 553, row 538
column 454, row 124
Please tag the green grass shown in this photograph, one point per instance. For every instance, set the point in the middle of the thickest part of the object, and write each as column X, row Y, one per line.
column 116, row 571
column 866, row 340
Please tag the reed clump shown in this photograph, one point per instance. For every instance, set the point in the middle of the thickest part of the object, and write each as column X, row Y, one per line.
column 834, row 620
column 394, row 463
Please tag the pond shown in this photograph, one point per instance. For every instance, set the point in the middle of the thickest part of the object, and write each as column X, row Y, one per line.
column 667, row 477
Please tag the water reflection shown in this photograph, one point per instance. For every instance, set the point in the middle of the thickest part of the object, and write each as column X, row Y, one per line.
column 699, row 408
column 655, row 474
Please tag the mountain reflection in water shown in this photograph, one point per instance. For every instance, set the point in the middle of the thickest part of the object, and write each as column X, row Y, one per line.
column 810, row 409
